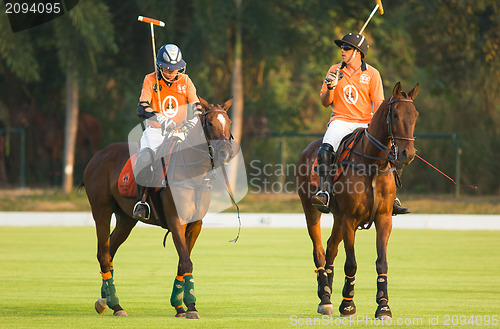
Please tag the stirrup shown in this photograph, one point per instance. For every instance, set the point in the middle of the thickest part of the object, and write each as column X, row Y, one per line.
column 322, row 207
column 141, row 203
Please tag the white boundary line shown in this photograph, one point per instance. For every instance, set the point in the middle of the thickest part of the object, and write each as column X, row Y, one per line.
column 411, row 221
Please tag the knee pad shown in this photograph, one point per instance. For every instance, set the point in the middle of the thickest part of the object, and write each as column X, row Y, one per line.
column 325, row 158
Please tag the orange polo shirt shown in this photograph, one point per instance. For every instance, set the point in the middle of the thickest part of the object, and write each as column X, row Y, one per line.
column 353, row 96
column 174, row 98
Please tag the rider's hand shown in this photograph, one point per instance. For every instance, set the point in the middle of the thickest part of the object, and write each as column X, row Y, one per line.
column 188, row 125
column 332, row 79
column 167, row 125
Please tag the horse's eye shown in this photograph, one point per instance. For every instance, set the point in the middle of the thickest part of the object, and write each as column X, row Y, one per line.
column 395, row 116
column 210, row 124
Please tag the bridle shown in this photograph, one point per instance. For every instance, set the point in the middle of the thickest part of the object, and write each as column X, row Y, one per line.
column 392, row 152
column 221, row 141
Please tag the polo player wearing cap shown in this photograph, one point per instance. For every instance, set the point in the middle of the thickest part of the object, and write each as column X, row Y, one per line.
column 177, row 92
column 353, row 90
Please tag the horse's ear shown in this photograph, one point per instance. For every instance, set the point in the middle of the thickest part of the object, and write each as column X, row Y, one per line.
column 414, row 92
column 228, row 104
column 204, row 103
column 396, row 92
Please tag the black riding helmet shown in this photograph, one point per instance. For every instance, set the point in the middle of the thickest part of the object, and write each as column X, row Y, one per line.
column 356, row 40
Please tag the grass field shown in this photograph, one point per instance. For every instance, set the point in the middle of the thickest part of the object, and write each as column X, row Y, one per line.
column 50, row 279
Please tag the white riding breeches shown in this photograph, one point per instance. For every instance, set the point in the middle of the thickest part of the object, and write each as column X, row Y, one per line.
column 338, row 129
column 152, row 138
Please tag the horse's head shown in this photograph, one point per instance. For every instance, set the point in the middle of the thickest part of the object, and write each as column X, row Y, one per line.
column 401, row 118
column 217, row 127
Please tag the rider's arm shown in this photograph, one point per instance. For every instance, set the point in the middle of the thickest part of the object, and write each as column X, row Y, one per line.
column 327, row 92
column 144, row 109
column 376, row 91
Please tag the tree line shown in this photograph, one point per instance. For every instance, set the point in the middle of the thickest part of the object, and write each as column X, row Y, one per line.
column 448, row 46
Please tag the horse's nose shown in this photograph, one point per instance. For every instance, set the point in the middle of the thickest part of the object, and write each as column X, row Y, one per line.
column 406, row 157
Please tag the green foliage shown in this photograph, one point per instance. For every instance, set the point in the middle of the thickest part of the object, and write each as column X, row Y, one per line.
column 449, row 46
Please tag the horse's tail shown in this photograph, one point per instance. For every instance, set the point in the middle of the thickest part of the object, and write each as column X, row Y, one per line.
column 80, row 187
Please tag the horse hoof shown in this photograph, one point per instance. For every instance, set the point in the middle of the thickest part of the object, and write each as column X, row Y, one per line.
column 100, row 305
column 383, row 312
column 326, row 309
column 120, row 313
column 180, row 315
column 192, row 315
column 347, row 309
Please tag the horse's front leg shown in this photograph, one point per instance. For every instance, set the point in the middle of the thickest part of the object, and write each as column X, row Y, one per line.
column 347, row 307
column 184, row 271
column 325, row 278
column 176, row 298
column 383, row 225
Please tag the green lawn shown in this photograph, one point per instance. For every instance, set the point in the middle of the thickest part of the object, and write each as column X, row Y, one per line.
column 50, row 278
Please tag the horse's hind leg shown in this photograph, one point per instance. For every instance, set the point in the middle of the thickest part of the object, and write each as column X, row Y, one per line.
column 102, row 218
column 332, row 251
column 384, row 228
column 313, row 220
column 347, row 307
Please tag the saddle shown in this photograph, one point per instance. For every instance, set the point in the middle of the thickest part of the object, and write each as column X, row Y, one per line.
column 342, row 156
column 127, row 185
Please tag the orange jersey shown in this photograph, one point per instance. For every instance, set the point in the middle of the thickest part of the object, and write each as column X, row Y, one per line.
column 354, row 95
column 174, row 99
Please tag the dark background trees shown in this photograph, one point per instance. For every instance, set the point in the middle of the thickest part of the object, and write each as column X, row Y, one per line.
column 449, row 46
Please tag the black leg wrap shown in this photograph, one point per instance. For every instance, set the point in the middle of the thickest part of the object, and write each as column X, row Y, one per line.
column 348, row 291
column 329, row 272
column 324, row 291
column 383, row 310
column 382, row 296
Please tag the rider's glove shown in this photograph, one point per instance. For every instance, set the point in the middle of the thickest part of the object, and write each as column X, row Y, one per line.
column 167, row 125
column 332, row 78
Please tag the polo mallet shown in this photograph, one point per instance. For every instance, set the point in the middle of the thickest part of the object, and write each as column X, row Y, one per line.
column 381, row 10
column 152, row 22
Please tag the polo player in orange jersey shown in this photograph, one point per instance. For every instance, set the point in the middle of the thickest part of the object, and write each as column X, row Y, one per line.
column 177, row 98
column 353, row 89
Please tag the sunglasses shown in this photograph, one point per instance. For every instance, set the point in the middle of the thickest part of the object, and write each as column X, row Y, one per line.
column 346, row 47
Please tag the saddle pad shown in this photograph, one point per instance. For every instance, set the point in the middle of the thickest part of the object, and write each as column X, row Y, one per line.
column 126, row 180
column 345, row 149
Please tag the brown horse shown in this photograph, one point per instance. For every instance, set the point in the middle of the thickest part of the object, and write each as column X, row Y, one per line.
column 363, row 195
column 101, row 183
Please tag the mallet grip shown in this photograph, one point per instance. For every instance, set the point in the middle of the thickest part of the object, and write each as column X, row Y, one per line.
column 151, row 20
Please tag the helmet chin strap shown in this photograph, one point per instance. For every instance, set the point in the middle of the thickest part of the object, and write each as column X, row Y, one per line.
column 351, row 58
column 180, row 72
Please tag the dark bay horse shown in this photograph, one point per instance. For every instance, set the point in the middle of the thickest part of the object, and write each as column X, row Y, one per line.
column 101, row 183
column 363, row 196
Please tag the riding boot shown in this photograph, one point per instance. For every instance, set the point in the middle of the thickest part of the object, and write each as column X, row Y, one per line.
column 143, row 172
column 397, row 208
column 141, row 208
column 321, row 200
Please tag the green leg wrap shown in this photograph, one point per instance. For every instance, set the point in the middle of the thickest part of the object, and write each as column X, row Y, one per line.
column 177, row 292
column 189, row 290
column 110, row 290
column 103, row 287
